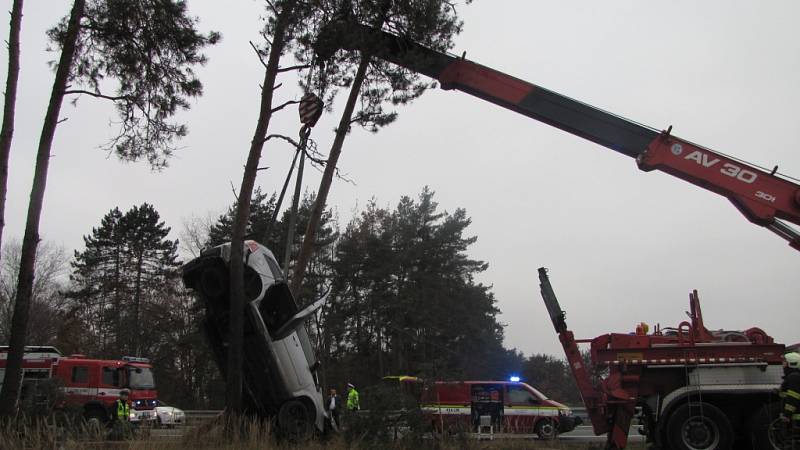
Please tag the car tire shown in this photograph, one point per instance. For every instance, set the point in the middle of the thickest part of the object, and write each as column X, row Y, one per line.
column 294, row 420
column 699, row 426
column 546, row 429
column 214, row 282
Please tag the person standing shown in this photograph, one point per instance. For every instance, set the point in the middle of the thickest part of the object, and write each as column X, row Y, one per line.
column 352, row 398
column 120, row 416
column 790, row 399
column 334, row 408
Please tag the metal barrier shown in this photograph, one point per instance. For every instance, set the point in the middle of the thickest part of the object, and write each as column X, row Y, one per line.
column 201, row 415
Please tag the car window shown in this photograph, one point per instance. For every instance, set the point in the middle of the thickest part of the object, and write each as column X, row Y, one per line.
column 518, row 394
column 277, row 273
column 110, row 376
column 80, row 374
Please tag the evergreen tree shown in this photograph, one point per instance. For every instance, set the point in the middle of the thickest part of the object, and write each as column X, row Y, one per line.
column 152, row 264
column 405, row 300
column 149, row 47
column 99, row 288
column 376, row 85
column 9, row 105
column 122, row 279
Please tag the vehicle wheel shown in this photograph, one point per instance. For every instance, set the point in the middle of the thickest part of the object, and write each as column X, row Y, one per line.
column 214, row 282
column 546, row 429
column 766, row 430
column 700, row 426
column 294, row 419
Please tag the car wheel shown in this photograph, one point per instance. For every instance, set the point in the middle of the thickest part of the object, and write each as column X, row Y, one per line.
column 546, row 429
column 700, row 426
column 294, row 419
column 214, row 282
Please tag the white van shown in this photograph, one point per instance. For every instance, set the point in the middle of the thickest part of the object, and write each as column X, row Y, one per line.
column 279, row 368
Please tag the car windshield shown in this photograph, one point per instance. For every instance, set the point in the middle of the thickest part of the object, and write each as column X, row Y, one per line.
column 140, row 378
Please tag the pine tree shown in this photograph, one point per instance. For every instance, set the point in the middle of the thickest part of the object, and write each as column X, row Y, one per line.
column 152, row 263
column 100, row 289
column 149, row 47
column 9, row 105
column 405, row 299
column 124, row 277
column 375, row 86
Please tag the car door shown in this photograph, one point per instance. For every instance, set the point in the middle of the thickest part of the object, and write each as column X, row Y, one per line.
column 522, row 408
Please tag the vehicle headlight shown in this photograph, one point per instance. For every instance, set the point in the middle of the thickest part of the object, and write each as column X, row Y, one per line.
column 132, row 416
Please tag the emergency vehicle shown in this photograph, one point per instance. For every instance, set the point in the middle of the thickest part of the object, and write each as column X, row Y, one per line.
column 513, row 407
column 90, row 384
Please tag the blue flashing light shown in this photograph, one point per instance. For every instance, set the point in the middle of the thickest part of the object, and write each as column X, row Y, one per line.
column 514, row 379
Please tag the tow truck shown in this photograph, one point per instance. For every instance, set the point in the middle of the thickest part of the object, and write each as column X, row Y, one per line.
column 690, row 388
column 765, row 197
column 694, row 388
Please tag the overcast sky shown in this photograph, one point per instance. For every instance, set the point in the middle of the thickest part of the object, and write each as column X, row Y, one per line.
column 622, row 245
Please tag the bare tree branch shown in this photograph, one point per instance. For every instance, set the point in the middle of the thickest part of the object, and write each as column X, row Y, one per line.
column 290, row 102
column 233, row 189
column 258, row 53
column 97, row 95
column 290, row 68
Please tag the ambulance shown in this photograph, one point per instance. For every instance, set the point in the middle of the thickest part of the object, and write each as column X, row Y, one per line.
column 509, row 406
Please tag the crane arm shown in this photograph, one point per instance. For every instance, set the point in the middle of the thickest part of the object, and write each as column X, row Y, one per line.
column 765, row 198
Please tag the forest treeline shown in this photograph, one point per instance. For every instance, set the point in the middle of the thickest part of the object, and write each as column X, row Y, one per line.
column 405, row 298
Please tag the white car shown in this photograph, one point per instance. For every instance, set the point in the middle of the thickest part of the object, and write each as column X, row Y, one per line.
column 169, row 416
column 279, row 371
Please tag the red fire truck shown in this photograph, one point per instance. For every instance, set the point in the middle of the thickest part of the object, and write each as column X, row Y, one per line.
column 90, row 384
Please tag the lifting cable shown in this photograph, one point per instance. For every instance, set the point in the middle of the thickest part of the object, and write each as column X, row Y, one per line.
column 310, row 109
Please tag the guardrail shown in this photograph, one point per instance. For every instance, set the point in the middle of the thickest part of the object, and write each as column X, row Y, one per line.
column 195, row 416
column 199, row 415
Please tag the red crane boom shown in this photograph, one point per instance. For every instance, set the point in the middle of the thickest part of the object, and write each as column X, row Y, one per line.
column 764, row 197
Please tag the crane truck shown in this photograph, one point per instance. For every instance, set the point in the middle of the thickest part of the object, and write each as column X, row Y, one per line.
column 690, row 388
column 765, row 197
column 695, row 389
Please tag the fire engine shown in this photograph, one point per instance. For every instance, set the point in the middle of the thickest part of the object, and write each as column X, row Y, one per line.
column 90, row 384
column 692, row 389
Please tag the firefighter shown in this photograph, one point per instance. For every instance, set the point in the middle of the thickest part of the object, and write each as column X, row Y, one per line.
column 790, row 397
column 352, row 398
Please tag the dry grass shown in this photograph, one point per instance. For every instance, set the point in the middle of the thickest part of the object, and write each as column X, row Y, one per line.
column 247, row 435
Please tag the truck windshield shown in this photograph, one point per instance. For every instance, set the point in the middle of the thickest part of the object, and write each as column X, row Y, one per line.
column 140, row 378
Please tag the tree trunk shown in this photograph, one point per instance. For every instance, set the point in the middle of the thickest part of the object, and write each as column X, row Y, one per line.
column 7, row 131
column 137, row 300
column 287, row 256
column 19, row 323
column 327, row 178
column 233, row 388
